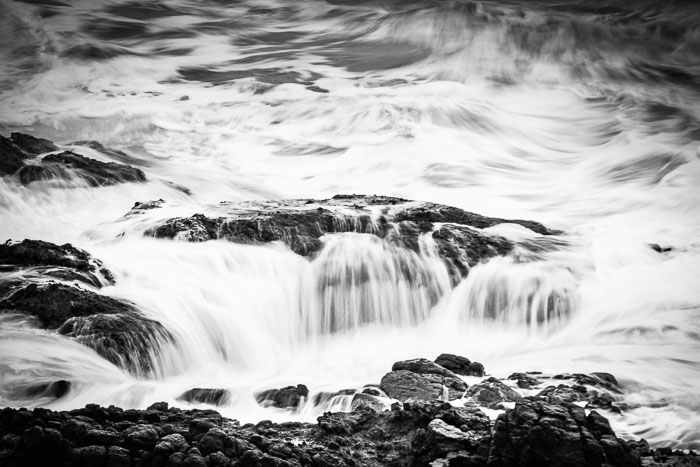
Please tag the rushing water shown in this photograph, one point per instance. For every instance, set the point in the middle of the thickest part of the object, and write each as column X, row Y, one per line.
column 581, row 114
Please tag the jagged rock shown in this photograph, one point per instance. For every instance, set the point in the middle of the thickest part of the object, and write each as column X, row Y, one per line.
column 491, row 393
column 403, row 385
column 537, row 433
column 419, row 433
column 206, row 396
column 287, row 398
column 563, row 393
column 375, row 403
column 73, row 263
column 32, row 145
column 115, row 329
column 93, row 172
column 11, row 157
column 301, row 223
column 460, row 365
column 524, row 380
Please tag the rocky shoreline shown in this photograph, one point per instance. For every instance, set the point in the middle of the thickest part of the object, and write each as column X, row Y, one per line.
column 422, row 412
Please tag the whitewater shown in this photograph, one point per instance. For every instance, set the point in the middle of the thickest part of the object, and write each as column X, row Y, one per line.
column 583, row 115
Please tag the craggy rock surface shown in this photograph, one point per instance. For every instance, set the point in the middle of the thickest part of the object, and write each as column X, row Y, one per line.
column 534, row 433
column 422, row 379
column 287, row 398
column 56, row 287
column 67, row 164
column 300, row 224
column 17, row 152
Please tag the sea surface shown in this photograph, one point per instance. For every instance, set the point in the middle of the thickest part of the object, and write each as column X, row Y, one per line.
column 583, row 115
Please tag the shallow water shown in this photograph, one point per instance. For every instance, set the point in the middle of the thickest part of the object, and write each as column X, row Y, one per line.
column 582, row 115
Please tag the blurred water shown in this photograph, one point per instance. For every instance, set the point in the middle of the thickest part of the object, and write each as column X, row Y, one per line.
column 583, row 115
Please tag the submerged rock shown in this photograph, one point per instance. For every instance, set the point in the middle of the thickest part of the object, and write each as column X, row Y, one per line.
column 206, row 396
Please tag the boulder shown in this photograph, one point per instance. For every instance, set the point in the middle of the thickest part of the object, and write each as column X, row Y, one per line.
column 460, row 365
column 403, row 385
column 537, row 433
column 524, row 380
column 12, row 158
column 113, row 328
column 287, row 398
column 491, row 393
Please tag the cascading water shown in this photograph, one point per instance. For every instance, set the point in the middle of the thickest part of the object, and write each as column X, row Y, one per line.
column 578, row 115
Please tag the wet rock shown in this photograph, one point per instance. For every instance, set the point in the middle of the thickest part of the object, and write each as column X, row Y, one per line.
column 375, row 403
column 64, row 262
column 460, row 365
column 537, row 433
column 563, row 393
column 214, row 440
column 141, row 206
column 403, row 385
column 492, row 392
column 301, row 223
column 140, row 437
column 287, row 398
column 422, row 366
column 32, row 145
column 524, row 380
column 115, row 329
column 53, row 389
column 67, row 165
column 597, row 379
column 206, row 396
column 11, row 157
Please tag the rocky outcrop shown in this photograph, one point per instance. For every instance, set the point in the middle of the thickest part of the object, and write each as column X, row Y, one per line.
column 538, row 433
column 423, row 380
column 56, row 287
column 300, row 224
column 18, row 153
column 67, row 165
column 460, row 365
column 492, row 393
column 417, row 434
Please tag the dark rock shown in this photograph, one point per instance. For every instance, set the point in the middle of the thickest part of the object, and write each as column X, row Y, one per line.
column 113, row 328
column 460, row 365
column 93, row 172
column 140, row 437
column 366, row 400
column 301, row 223
column 287, row 398
column 214, row 440
column 562, row 393
column 536, row 433
column 72, row 263
column 89, row 456
column 524, row 380
column 53, row 389
column 141, row 206
column 11, row 157
column 114, row 154
column 403, row 385
column 492, row 392
column 206, row 396
column 422, row 366
column 32, row 145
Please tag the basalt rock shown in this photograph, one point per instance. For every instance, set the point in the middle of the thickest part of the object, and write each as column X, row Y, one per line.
column 206, row 396
column 300, row 224
column 417, row 434
column 460, row 365
column 492, row 392
column 113, row 328
column 67, row 165
column 286, row 398
column 64, row 262
column 538, row 433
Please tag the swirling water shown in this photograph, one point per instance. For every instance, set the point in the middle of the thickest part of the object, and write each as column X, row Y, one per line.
column 581, row 114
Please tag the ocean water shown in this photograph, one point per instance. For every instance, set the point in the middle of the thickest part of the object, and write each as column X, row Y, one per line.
column 583, row 115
